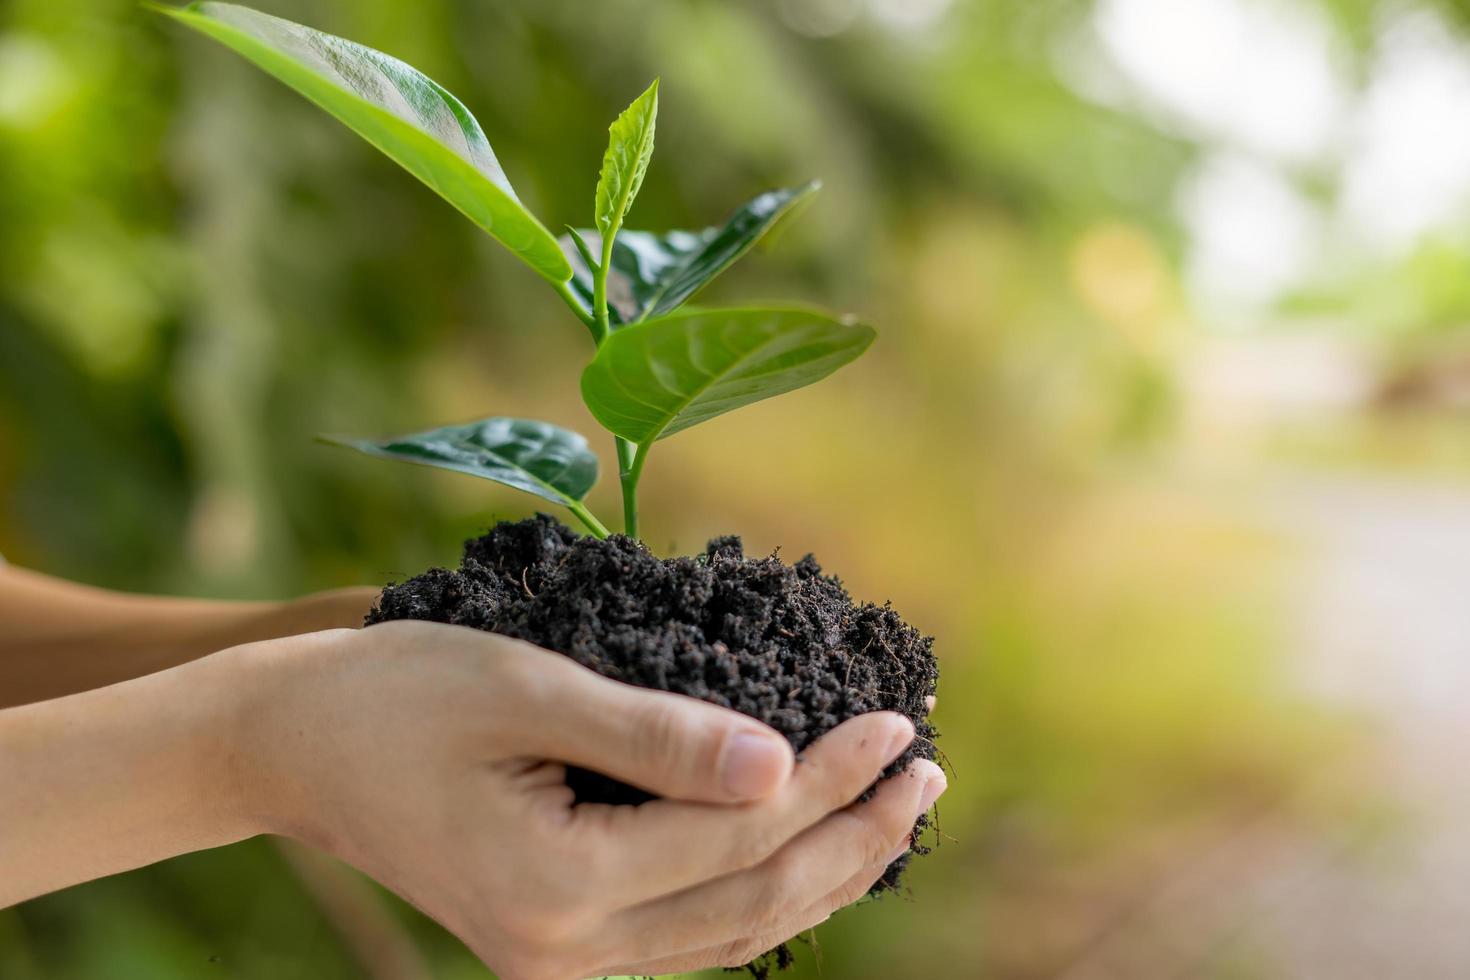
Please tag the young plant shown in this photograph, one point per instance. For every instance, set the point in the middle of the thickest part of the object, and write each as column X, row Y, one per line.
column 657, row 369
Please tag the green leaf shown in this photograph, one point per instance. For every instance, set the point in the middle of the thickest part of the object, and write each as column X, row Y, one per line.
column 656, row 378
column 396, row 108
column 551, row 462
column 629, row 148
column 652, row 274
column 580, row 244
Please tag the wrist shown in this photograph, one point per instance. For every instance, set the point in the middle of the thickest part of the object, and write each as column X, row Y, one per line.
column 268, row 781
column 119, row 777
column 337, row 609
column 222, row 759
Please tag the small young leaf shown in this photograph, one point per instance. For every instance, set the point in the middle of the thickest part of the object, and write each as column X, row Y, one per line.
column 654, row 273
column 401, row 111
column 551, row 462
column 589, row 261
column 729, row 243
column 629, row 148
column 653, row 379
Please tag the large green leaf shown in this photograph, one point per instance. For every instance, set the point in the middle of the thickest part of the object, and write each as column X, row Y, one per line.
column 629, row 148
column 653, row 379
column 396, row 108
column 652, row 274
column 537, row 457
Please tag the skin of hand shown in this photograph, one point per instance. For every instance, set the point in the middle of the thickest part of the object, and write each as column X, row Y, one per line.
column 62, row 638
column 432, row 758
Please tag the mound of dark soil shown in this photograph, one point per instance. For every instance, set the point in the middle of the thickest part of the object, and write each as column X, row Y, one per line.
column 782, row 643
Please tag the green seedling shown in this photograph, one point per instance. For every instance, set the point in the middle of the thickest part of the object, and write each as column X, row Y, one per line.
column 658, row 369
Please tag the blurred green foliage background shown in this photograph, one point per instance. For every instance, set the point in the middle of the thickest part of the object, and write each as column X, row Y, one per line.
column 199, row 272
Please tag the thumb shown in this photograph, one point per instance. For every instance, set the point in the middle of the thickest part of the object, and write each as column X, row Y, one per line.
column 667, row 744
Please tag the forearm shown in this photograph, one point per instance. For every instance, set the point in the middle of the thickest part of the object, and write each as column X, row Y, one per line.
column 59, row 638
column 116, row 778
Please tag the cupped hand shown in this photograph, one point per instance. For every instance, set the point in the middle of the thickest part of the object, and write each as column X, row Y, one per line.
column 432, row 758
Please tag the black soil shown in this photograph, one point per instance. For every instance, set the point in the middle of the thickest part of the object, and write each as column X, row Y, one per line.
column 782, row 643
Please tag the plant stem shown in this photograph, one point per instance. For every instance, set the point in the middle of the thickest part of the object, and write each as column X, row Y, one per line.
column 628, row 474
column 586, row 517
column 597, row 322
column 599, row 283
column 626, row 452
column 597, row 327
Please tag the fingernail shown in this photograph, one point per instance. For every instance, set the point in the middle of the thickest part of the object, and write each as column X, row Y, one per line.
column 933, row 787
column 899, row 851
column 753, row 765
column 903, row 734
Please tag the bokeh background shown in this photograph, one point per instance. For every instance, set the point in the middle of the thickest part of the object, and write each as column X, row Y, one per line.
column 1163, row 439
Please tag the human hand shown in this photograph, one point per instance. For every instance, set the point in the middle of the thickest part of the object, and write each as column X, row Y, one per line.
column 432, row 758
column 334, row 609
column 62, row 638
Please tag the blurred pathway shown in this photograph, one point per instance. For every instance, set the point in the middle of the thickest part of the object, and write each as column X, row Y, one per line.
column 1380, row 886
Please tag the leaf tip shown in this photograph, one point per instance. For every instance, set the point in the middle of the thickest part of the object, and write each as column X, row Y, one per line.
column 583, row 250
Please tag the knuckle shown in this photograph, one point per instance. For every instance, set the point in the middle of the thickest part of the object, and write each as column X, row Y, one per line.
column 779, row 895
column 877, row 839
column 861, row 836
column 659, row 738
column 852, row 890
column 837, row 783
column 734, row 955
column 755, row 844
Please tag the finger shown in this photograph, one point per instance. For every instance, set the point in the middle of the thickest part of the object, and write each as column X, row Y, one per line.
column 740, row 952
column 670, row 745
column 763, row 899
column 736, row 954
column 732, row 955
column 929, row 703
column 667, row 845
